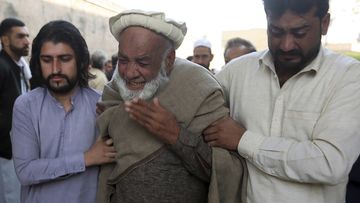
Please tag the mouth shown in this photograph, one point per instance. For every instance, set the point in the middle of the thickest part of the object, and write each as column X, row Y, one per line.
column 57, row 78
column 289, row 57
column 135, row 86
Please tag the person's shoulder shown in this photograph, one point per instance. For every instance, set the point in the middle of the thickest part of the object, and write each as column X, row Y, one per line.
column 30, row 97
column 4, row 65
column 190, row 75
column 99, row 75
column 190, row 72
column 243, row 65
column 337, row 58
column 91, row 93
column 103, row 76
column 185, row 67
column 250, row 58
column 340, row 62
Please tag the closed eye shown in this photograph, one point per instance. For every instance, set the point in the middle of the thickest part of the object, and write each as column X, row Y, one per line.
column 276, row 32
column 300, row 33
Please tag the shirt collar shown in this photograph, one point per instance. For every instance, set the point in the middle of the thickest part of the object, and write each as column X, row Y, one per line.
column 74, row 97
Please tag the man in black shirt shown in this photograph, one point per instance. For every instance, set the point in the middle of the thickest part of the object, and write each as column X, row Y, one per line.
column 15, row 43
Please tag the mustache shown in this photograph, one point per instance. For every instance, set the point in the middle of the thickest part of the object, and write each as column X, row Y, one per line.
column 57, row 75
column 288, row 53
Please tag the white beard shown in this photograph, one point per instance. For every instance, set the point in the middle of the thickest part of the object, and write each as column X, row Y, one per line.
column 149, row 89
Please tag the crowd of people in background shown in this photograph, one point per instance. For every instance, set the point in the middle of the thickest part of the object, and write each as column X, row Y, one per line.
column 143, row 125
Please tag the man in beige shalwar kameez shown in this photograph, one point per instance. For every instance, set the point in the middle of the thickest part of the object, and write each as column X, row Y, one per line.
column 157, row 106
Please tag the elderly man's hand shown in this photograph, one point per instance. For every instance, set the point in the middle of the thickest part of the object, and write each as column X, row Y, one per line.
column 155, row 118
column 224, row 133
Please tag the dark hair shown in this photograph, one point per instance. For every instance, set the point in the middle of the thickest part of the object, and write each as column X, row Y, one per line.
column 60, row 31
column 9, row 23
column 278, row 7
column 98, row 59
column 114, row 60
column 239, row 42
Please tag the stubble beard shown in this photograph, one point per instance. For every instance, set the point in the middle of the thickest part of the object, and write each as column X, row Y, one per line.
column 24, row 51
column 295, row 66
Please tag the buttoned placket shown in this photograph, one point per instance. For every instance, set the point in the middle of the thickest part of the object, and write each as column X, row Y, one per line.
column 278, row 109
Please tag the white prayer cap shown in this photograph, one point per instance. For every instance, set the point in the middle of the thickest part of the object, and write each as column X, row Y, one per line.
column 155, row 21
column 202, row 43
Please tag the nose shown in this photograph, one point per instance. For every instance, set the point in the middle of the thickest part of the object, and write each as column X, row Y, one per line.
column 131, row 71
column 201, row 60
column 287, row 43
column 56, row 66
column 27, row 40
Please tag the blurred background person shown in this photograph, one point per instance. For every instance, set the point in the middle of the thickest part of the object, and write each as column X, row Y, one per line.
column 236, row 47
column 97, row 62
column 353, row 186
column 15, row 44
column 189, row 58
column 108, row 69
column 202, row 54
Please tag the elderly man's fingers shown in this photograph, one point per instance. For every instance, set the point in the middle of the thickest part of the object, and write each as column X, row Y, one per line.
column 110, row 154
column 137, row 109
column 109, row 142
column 156, row 104
column 213, row 144
column 210, row 137
column 210, row 130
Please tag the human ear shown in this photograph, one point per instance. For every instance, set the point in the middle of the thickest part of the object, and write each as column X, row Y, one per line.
column 325, row 22
column 170, row 59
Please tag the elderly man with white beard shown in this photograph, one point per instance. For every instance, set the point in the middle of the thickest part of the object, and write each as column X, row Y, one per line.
column 156, row 107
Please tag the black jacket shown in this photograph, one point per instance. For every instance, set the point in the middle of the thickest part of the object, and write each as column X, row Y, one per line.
column 353, row 187
column 10, row 89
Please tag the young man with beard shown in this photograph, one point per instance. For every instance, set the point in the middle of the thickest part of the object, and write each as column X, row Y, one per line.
column 202, row 54
column 295, row 113
column 156, row 108
column 15, row 42
column 55, row 149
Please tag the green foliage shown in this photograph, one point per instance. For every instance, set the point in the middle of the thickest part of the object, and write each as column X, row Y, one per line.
column 353, row 54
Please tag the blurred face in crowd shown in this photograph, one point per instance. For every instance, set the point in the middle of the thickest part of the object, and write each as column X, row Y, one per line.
column 234, row 52
column 294, row 40
column 202, row 56
column 17, row 42
column 58, row 67
column 108, row 66
column 143, row 60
